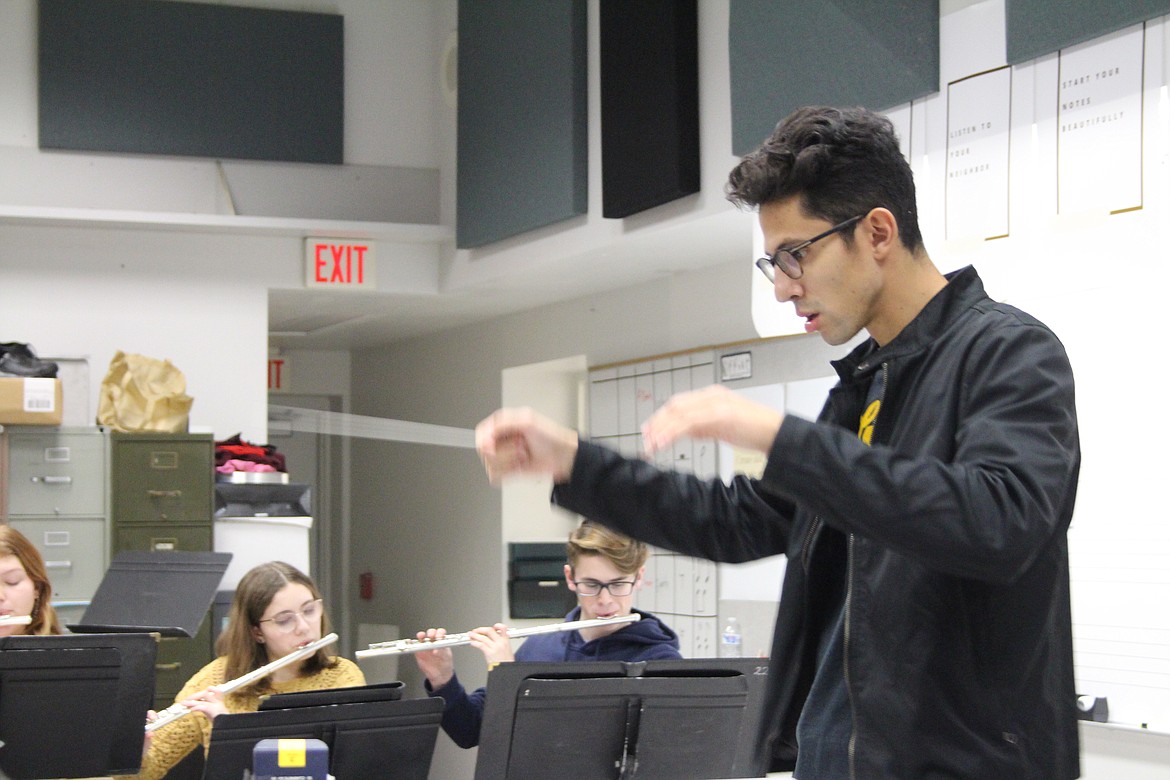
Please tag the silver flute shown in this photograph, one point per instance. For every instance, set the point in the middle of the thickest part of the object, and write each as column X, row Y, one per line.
column 176, row 710
column 402, row 646
column 15, row 620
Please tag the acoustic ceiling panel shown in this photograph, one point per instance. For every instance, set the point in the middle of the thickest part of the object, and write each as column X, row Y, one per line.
column 522, row 117
column 649, row 103
column 872, row 53
column 1039, row 27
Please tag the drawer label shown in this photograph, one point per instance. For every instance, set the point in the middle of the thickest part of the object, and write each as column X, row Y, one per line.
column 56, row 538
column 56, row 455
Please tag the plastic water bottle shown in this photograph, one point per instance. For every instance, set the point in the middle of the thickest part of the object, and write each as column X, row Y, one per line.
column 732, row 644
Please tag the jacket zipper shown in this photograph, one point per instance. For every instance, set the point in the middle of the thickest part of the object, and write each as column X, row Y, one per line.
column 849, row 602
column 806, row 546
column 848, row 683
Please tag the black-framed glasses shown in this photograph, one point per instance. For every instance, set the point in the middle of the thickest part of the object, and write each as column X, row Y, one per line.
column 788, row 260
column 287, row 621
column 616, row 588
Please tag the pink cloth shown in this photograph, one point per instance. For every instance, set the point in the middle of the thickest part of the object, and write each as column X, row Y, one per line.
column 235, row 464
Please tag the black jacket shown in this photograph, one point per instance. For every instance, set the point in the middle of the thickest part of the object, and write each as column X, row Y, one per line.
column 959, row 643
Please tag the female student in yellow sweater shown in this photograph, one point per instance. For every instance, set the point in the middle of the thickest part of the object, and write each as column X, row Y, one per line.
column 277, row 609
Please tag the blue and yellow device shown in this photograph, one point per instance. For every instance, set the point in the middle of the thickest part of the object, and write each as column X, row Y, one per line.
column 290, row 759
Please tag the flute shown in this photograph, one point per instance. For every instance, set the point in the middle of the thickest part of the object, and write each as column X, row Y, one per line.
column 402, row 646
column 176, row 710
column 15, row 620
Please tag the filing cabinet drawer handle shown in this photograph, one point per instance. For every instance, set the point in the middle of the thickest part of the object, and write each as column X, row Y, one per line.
column 171, row 667
column 53, row 479
column 549, row 584
column 165, row 493
column 58, row 564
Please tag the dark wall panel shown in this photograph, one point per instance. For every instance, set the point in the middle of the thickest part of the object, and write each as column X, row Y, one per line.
column 1039, row 27
column 784, row 55
column 178, row 78
column 649, row 103
column 522, row 121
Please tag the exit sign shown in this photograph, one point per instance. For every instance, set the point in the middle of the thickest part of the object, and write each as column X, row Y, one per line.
column 339, row 265
column 279, row 374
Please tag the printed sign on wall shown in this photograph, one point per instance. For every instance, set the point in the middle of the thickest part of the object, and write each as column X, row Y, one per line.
column 1099, row 127
column 978, row 142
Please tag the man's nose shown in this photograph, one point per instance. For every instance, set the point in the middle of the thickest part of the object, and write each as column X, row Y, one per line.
column 785, row 287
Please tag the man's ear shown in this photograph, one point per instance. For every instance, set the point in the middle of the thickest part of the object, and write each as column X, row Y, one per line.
column 881, row 232
column 569, row 578
column 639, row 578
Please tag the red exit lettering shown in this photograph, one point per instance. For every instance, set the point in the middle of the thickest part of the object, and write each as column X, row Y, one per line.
column 275, row 374
column 340, row 264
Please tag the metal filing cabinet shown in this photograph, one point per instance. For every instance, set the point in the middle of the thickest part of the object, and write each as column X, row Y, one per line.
column 162, row 491
column 57, row 490
column 162, row 497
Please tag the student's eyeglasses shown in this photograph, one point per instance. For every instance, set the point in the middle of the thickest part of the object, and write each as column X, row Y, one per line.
column 286, row 621
column 788, row 260
column 615, row 588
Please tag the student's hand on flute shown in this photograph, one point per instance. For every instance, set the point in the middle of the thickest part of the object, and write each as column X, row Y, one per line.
column 151, row 717
column 493, row 642
column 520, row 441
column 209, row 702
column 437, row 665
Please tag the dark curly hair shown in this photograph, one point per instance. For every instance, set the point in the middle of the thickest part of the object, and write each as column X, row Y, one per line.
column 841, row 162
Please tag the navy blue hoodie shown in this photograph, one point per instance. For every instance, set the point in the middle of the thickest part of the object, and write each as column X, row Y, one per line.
column 649, row 639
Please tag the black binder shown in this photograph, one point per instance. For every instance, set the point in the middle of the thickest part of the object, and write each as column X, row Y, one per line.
column 74, row 705
column 164, row 592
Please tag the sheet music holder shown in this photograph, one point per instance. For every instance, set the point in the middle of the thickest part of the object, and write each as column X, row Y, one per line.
column 73, row 705
column 647, row 720
column 381, row 737
column 167, row 592
column 389, row 691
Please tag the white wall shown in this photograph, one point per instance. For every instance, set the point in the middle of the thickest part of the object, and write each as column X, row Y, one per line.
column 83, row 293
column 105, row 252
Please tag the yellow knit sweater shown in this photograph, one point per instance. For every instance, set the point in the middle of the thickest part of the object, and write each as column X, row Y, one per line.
column 171, row 743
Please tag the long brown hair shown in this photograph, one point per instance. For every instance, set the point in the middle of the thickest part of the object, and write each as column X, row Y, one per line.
column 254, row 593
column 44, row 617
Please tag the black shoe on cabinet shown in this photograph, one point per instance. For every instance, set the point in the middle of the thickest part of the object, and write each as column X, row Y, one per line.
column 18, row 359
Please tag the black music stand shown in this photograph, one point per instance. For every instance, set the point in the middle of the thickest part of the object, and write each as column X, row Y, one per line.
column 651, row 719
column 74, row 705
column 388, row 691
column 373, row 734
column 167, row 592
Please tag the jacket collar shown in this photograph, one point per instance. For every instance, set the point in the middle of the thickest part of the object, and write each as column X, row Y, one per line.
column 963, row 290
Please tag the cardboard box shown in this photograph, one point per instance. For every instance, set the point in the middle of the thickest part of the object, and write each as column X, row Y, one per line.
column 30, row 401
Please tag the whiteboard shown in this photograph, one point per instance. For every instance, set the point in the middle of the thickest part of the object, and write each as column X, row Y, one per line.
column 759, row 580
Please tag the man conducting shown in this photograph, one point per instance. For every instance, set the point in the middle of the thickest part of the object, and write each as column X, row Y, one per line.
column 924, row 626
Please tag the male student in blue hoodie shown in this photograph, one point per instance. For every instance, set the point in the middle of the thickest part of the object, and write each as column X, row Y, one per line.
column 604, row 569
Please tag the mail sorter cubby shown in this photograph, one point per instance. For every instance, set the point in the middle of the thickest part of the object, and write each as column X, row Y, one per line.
column 56, row 496
column 536, row 580
column 162, row 498
column 683, row 590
